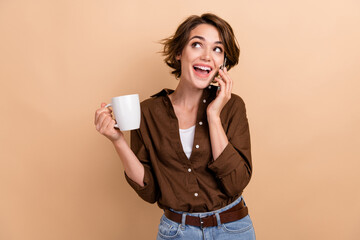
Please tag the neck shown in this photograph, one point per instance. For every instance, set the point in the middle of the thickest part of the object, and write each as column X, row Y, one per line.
column 186, row 96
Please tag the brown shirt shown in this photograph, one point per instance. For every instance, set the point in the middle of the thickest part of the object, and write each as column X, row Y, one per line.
column 197, row 184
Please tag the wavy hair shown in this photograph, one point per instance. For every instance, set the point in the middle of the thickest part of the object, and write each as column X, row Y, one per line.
column 174, row 45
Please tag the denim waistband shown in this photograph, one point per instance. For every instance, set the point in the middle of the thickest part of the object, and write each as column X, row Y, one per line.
column 205, row 214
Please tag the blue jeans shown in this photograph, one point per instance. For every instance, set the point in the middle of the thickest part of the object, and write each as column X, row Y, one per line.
column 241, row 229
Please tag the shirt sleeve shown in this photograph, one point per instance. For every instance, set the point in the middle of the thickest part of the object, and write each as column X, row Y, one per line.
column 234, row 167
column 149, row 192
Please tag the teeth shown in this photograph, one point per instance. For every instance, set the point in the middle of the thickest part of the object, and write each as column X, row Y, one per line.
column 203, row 68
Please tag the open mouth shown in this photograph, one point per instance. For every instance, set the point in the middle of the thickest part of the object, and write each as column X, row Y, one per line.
column 202, row 70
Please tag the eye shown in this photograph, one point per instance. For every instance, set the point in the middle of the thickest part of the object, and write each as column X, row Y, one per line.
column 196, row 45
column 218, row 49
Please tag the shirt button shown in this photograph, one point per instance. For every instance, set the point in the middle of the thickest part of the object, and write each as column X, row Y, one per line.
column 189, row 170
column 196, row 194
column 204, row 101
column 200, row 123
column 209, row 86
column 197, row 146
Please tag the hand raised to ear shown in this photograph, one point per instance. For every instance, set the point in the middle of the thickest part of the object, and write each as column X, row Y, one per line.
column 223, row 94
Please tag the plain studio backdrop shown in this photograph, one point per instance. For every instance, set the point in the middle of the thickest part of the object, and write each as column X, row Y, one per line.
column 299, row 74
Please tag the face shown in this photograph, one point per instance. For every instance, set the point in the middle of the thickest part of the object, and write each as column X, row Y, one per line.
column 201, row 56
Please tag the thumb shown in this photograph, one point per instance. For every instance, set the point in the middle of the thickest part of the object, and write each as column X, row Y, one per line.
column 105, row 109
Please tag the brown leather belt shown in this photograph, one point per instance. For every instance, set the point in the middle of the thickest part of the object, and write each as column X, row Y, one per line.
column 235, row 213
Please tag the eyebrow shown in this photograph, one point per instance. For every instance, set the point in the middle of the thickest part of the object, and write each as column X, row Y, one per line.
column 203, row 39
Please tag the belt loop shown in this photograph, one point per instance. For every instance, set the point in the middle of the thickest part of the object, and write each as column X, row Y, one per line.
column 183, row 221
column 218, row 220
column 240, row 199
column 201, row 223
column 243, row 201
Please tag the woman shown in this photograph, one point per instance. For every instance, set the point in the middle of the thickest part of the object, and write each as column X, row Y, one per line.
column 191, row 154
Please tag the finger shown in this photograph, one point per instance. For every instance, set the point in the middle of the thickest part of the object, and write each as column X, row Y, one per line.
column 231, row 86
column 222, row 85
column 105, row 108
column 224, row 77
column 100, row 110
column 101, row 119
column 111, row 125
column 227, row 80
column 104, row 125
column 230, row 80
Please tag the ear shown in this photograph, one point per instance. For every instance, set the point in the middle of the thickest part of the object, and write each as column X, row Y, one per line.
column 178, row 57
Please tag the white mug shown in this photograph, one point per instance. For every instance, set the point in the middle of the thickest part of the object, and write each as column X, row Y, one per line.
column 126, row 110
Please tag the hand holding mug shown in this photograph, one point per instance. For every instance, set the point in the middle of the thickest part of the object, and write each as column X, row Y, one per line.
column 127, row 113
column 105, row 124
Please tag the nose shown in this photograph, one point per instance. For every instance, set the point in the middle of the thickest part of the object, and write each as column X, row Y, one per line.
column 206, row 55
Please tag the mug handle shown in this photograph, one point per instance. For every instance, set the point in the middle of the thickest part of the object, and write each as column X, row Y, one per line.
column 109, row 105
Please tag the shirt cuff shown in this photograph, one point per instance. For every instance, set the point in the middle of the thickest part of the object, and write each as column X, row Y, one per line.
column 226, row 162
column 136, row 186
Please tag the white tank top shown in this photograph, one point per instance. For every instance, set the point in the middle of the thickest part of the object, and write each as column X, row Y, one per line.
column 187, row 139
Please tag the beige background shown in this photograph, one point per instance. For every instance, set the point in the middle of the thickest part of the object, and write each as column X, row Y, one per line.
column 299, row 75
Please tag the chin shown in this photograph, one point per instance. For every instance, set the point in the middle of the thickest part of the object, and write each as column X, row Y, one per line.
column 202, row 83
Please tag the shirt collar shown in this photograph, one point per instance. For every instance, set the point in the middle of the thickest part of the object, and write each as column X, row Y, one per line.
column 166, row 91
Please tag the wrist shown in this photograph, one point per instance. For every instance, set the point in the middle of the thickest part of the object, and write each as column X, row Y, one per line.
column 213, row 118
column 119, row 141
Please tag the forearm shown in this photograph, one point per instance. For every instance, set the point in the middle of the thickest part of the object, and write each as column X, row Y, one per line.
column 218, row 137
column 132, row 166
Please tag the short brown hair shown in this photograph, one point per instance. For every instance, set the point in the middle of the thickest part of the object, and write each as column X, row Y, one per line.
column 174, row 45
